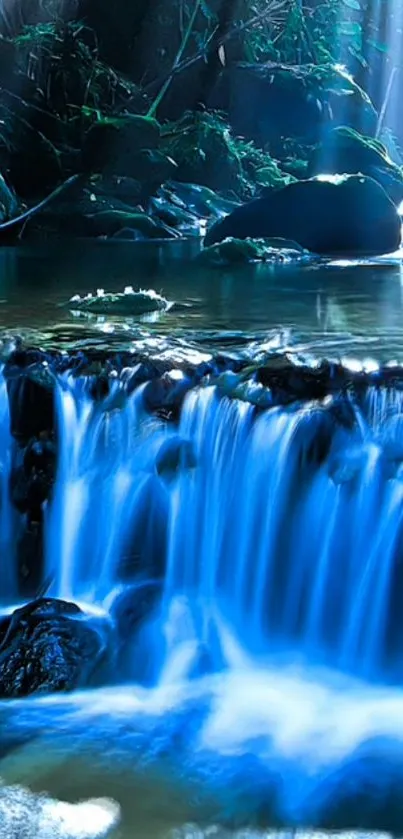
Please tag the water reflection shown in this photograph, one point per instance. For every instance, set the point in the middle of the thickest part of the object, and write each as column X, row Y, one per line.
column 327, row 307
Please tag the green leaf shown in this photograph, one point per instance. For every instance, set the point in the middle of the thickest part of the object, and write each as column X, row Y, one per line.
column 349, row 27
column 378, row 46
column 353, row 4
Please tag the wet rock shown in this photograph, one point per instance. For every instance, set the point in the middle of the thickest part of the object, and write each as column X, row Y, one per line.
column 174, row 455
column 126, row 303
column 134, row 605
column 232, row 251
column 138, row 375
column 32, row 477
column 345, row 150
column 31, row 400
column 29, row 555
column 166, row 394
column 199, row 199
column 112, row 143
column 173, row 216
column 111, row 222
column 350, row 215
column 49, row 647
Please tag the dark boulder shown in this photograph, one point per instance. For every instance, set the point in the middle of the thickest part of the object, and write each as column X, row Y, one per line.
column 32, row 476
column 133, row 612
column 49, row 646
column 346, row 151
column 31, row 401
column 345, row 215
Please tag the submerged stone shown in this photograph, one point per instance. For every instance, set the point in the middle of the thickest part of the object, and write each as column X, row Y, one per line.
column 350, row 214
column 49, row 647
column 174, row 455
column 134, row 605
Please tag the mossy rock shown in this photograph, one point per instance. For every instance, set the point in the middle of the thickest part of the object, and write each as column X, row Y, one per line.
column 208, row 153
column 110, row 222
column 345, row 150
column 232, row 251
column 111, row 142
column 128, row 302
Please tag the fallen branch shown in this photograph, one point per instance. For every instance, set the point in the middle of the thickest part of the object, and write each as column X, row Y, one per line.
column 19, row 221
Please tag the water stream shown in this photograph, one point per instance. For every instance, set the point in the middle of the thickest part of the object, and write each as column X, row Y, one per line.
column 285, row 528
column 274, row 695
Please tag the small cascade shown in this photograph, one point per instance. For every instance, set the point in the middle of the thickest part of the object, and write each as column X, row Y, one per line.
column 290, row 529
column 277, row 531
column 100, row 485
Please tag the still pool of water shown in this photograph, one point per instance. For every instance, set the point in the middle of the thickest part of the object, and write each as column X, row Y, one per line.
column 335, row 308
column 264, row 744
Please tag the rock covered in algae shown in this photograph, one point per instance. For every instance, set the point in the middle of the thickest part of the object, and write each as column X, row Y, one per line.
column 346, row 150
column 126, row 303
column 232, row 251
column 48, row 646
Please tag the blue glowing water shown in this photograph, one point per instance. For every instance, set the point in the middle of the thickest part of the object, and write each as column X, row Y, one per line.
column 283, row 534
column 280, row 536
column 106, row 452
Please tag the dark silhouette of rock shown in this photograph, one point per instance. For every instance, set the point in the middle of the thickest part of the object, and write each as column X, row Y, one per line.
column 49, row 646
column 345, row 215
column 31, row 401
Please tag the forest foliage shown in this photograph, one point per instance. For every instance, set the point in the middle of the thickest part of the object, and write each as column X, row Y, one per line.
column 69, row 67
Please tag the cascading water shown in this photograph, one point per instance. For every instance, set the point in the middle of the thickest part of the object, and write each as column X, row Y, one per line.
column 292, row 548
column 101, row 487
column 284, row 537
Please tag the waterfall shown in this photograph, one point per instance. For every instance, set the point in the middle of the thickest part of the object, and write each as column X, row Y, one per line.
column 280, row 535
column 290, row 548
column 100, row 486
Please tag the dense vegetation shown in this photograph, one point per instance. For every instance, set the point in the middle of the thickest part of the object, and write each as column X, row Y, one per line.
column 235, row 95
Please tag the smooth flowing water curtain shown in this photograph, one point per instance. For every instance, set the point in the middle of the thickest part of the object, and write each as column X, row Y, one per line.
column 280, row 528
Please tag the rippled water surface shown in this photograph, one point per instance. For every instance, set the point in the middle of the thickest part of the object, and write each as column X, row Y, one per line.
column 333, row 308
